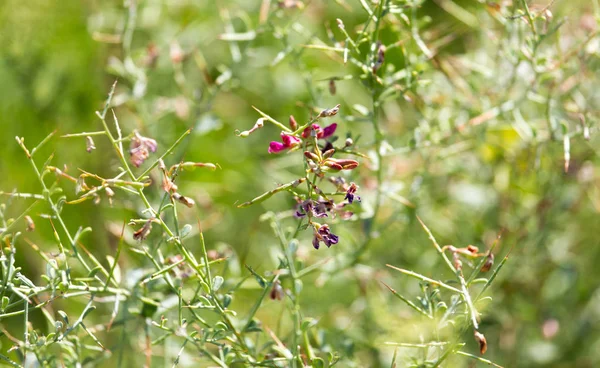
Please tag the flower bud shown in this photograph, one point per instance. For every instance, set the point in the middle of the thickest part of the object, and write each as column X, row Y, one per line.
column 311, row 156
column 293, row 123
column 89, row 144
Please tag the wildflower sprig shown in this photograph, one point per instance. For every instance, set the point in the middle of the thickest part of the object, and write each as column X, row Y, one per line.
column 318, row 161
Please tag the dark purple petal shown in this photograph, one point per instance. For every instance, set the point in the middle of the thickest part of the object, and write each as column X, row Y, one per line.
column 315, row 242
column 330, row 239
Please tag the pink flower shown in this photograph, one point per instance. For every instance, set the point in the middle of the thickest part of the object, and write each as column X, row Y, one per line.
column 289, row 141
column 322, row 133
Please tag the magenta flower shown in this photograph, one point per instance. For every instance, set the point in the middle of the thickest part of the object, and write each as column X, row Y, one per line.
column 322, row 133
column 289, row 141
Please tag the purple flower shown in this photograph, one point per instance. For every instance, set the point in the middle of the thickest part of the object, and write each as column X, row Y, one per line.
column 324, row 234
column 351, row 193
column 316, row 208
column 289, row 141
column 140, row 149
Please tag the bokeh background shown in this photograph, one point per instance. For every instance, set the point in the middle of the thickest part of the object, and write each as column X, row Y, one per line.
column 476, row 150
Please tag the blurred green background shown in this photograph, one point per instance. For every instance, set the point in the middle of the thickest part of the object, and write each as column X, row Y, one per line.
column 58, row 60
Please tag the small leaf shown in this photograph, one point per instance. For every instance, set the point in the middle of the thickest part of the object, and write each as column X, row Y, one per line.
column 318, row 363
column 5, row 301
column 217, row 282
column 185, row 231
column 148, row 309
column 64, row 316
column 227, row 300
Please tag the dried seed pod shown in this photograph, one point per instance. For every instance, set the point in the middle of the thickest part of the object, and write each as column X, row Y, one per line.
column 472, row 249
column 89, row 144
column 276, row 291
column 143, row 232
column 184, row 200
column 30, row 223
column 480, row 338
column 330, row 112
column 489, row 262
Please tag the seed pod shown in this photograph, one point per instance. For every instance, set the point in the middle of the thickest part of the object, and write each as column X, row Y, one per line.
column 184, row 200
column 472, row 249
column 330, row 112
column 30, row 223
column 276, row 291
column 143, row 232
column 481, row 341
column 489, row 262
column 89, row 144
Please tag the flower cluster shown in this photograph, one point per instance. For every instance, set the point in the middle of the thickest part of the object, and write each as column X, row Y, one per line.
column 140, row 149
column 316, row 142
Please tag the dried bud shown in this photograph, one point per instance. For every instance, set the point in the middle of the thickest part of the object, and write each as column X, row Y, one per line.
column 109, row 192
column 161, row 164
column 293, row 123
column 143, row 232
column 332, row 88
column 489, row 262
column 340, row 23
column 184, row 200
column 330, row 112
column 276, row 291
column 456, row 261
column 259, row 124
column 168, row 185
column 481, row 341
column 89, row 144
column 472, row 249
column 349, row 142
column 30, row 223
column 380, row 57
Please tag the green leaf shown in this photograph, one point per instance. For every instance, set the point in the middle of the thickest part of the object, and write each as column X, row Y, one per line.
column 217, row 282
